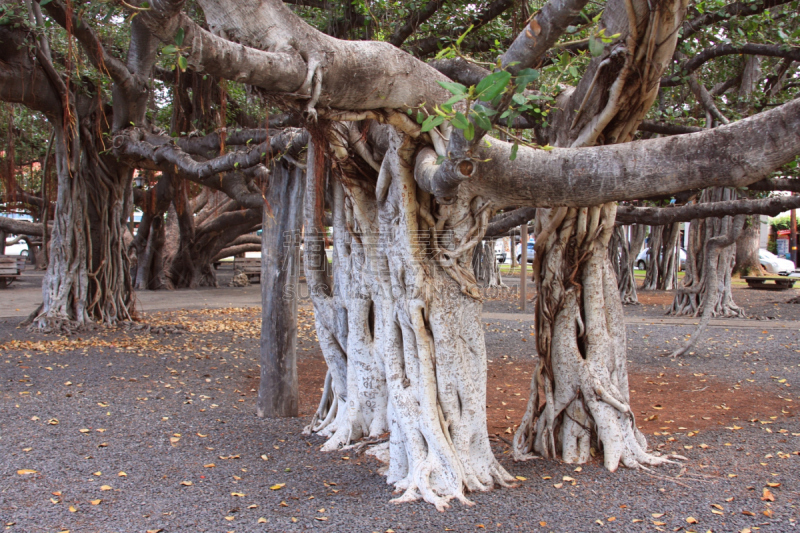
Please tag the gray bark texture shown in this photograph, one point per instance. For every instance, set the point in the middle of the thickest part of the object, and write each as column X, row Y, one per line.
column 622, row 264
column 278, row 392
column 706, row 286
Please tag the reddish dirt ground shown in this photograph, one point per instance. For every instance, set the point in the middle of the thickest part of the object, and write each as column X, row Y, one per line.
column 687, row 401
column 655, row 297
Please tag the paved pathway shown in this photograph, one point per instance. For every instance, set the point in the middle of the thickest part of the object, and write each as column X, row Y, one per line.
column 670, row 321
column 19, row 301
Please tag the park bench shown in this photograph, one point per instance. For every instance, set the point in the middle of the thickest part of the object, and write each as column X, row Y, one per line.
column 779, row 283
column 251, row 266
column 11, row 266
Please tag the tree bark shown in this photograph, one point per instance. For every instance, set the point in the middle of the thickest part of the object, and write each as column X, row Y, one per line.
column 485, row 266
column 746, row 262
column 706, row 286
column 621, row 263
column 278, row 392
column 582, row 370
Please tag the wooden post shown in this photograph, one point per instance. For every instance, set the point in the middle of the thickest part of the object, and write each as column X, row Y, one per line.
column 523, row 264
column 513, row 249
column 793, row 236
column 278, row 391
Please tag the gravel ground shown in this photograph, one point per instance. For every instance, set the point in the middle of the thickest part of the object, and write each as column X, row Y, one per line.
column 135, row 432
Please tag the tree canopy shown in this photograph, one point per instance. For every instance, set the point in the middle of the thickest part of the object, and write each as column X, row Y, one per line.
column 242, row 107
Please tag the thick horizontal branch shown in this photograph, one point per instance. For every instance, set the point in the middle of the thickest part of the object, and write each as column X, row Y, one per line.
column 771, row 50
column 734, row 155
column 203, row 145
column 246, row 239
column 776, row 184
column 16, row 226
column 135, row 143
column 667, row 129
column 502, row 224
column 315, row 69
column 660, row 216
column 274, row 71
column 236, row 250
column 228, row 221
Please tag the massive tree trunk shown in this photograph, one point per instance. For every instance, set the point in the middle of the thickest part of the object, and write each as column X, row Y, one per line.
column 87, row 278
column 706, row 287
column 746, row 262
column 579, row 391
column 582, row 370
column 401, row 329
column 662, row 258
column 707, row 281
column 485, row 266
column 622, row 264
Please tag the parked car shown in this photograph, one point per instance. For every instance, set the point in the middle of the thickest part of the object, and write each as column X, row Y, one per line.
column 641, row 259
column 20, row 248
column 774, row 264
column 499, row 252
column 530, row 252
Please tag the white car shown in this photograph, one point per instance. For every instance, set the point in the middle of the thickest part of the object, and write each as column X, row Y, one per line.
column 20, row 248
column 500, row 251
column 774, row 264
column 529, row 254
column 641, row 259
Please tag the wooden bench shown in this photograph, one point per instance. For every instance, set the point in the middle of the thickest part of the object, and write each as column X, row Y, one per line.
column 11, row 266
column 251, row 266
column 779, row 283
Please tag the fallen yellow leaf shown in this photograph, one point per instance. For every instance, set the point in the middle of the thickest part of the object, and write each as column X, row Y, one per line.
column 95, row 502
column 277, row 486
column 521, row 478
column 229, row 518
column 262, row 520
column 767, row 496
column 72, row 509
column 186, row 483
column 26, row 471
column 238, row 494
column 105, row 487
column 691, row 520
